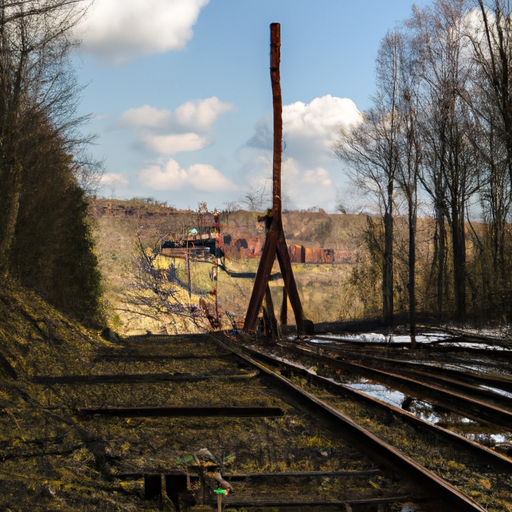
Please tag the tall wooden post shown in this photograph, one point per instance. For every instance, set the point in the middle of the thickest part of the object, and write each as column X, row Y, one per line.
column 277, row 104
column 275, row 243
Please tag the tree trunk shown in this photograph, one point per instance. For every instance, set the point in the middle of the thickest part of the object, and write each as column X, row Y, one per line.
column 439, row 260
column 387, row 267
column 412, row 269
column 459, row 262
column 9, row 205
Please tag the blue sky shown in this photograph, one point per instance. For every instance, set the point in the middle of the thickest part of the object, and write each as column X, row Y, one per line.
column 181, row 99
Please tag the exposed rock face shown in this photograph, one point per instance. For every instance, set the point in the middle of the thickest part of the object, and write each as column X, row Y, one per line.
column 121, row 210
column 254, row 247
column 245, row 247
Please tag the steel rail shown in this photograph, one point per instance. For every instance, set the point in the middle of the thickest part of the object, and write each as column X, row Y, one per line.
column 367, row 442
column 478, row 340
column 485, row 454
column 442, row 376
column 461, row 404
column 496, row 381
column 434, row 346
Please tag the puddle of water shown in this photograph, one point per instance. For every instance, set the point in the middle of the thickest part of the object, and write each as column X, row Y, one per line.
column 498, row 391
column 381, row 338
column 404, row 338
column 478, row 432
column 390, row 396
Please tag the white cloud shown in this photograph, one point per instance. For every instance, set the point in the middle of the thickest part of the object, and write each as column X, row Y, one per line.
column 201, row 177
column 172, row 144
column 206, row 177
column 200, row 115
column 168, row 132
column 112, row 179
column 310, row 128
column 192, row 116
column 307, row 188
column 309, row 131
column 144, row 117
column 169, row 178
column 118, row 31
column 319, row 177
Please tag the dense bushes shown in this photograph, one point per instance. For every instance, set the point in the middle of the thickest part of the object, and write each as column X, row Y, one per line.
column 52, row 251
column 45, row 239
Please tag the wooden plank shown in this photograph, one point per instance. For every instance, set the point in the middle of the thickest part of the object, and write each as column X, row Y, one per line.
column 142, row 377
column 304, row 474
column 239, row 501
column 242, row 476
column 123, row 356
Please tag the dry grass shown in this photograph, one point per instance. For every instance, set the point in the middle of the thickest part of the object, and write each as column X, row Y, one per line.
column 322, row 288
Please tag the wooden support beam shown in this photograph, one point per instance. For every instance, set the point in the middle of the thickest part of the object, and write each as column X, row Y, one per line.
column 243, row 476
column 284, row 308
column 289, row 280
column 305, row 474
column 124, row 356
column 292, row 501
column 262, row 276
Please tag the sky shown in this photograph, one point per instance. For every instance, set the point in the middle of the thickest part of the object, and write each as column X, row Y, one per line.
column 181, row 104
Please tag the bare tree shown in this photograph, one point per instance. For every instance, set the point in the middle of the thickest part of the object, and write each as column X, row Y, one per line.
column 371, row 154
column 410, row 155
column 451, row 172
column 159, row 294
column 491, row 101
column 35, row 78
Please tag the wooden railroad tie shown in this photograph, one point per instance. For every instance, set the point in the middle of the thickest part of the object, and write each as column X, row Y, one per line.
column 179, row 412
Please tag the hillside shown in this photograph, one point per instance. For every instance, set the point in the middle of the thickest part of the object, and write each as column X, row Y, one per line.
column 49, row 460
column 56, row 455
column 120, row 225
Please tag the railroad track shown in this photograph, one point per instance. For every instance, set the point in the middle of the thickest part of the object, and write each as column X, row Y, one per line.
column 251, row 403
column 474, row 402
column 481, row 396
column 494, row 459
column 499, row 463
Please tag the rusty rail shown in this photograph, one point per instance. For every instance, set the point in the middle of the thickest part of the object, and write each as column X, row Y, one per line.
column 486, row 455
column 464, row 405
column 374, row 447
